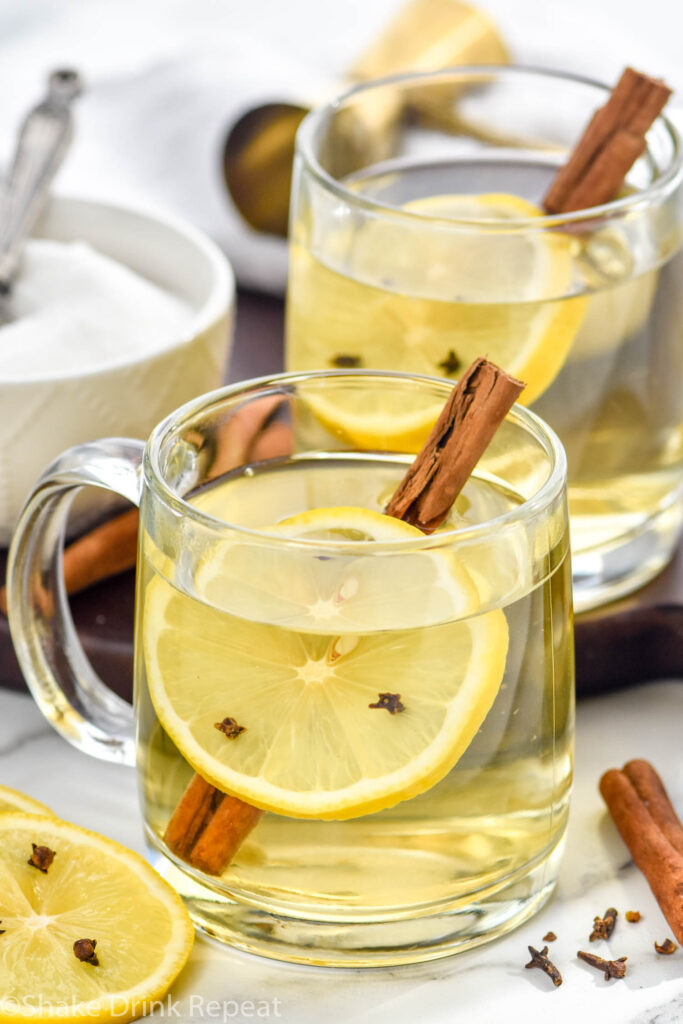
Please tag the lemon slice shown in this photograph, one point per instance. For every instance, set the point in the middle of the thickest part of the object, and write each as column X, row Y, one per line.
column 447, row 296
column 384, row 421
column 94, row 889
column 355, row 628
column 13, row 800
column 341, row 592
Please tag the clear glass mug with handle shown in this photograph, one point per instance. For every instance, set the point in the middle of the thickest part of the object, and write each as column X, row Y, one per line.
column 353, row 741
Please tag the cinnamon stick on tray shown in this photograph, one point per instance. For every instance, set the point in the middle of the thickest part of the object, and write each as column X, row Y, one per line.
column 208, row 827
column 610, row 145
column 648, row 824
column 248, row 435
column 105, row 551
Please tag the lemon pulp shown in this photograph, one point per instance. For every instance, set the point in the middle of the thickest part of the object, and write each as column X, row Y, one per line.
column 94, row 889
column 298, row 665
column 454, row 294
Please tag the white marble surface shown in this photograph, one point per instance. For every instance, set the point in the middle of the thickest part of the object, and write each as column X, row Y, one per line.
column 486, row 986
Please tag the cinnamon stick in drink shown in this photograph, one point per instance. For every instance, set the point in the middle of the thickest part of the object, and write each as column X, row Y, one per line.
column 463, row 431
column 611, row 143
column 207, row 828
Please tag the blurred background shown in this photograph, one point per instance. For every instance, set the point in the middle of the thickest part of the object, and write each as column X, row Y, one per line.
column 167, row 79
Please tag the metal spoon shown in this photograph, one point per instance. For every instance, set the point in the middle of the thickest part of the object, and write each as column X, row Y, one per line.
column 44, row 138
column 423, row 35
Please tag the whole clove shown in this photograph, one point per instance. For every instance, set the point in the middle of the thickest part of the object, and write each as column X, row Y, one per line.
column 451, row 364
column 540, row 960
column 347, row 362
column 41, row 858
column 604, row 926
column 230, row 728
column 84, row 950
column 612, row 968
column 390, row 701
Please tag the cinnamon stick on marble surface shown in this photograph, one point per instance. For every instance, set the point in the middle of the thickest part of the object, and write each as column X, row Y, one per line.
column 648, row 824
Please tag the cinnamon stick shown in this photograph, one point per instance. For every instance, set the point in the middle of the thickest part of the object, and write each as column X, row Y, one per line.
column 611, row 143
column 109, row 549
column 248, row 435
column 639, row 827
column 207, row 828
column 190, row 816
column 650, row 789
column 228, row 827
column 476, row 408
column 105, row 551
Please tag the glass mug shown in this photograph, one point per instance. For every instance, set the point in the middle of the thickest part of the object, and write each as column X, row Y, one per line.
column 390, row 713
column 430, row 249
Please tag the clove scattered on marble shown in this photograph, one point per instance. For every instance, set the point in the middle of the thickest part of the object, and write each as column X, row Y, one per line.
column 540, row 959
column 604, row 926
column 612, row 968
column 666, row 948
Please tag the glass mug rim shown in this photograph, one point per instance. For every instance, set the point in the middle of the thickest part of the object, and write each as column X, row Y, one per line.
column 543, row 498
column 657, row 191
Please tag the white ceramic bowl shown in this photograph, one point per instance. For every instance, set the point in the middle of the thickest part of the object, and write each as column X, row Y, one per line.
column 42, row 417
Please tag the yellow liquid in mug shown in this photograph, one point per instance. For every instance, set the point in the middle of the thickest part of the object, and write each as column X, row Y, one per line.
column 445, row 838
column 592, row 324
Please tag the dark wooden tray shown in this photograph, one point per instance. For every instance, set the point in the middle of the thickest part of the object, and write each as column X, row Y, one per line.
column 637, row 640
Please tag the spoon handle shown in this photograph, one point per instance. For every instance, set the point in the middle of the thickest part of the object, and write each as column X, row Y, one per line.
column 43, row 140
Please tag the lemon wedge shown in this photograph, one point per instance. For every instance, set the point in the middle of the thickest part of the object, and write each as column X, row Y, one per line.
column 449, row 295
column 298, row 665
column 94, row 889
column 13, row 800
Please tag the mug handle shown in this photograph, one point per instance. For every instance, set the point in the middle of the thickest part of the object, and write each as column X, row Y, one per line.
column 64, row 684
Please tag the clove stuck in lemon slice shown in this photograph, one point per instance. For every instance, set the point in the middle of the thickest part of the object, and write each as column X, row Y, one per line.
column 310, row 670
column 89, row 931
column 462, row 276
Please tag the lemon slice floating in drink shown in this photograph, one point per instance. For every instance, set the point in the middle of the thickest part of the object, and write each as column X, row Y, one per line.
column 449, row 295
column 349, row 630
column 13, row 800
column 94, row 889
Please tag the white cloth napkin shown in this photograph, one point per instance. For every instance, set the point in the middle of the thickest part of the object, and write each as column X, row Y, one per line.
column 166, row 78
